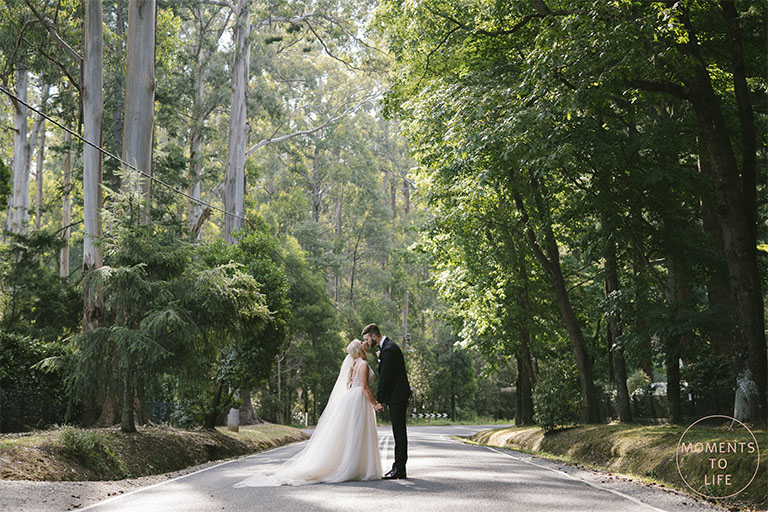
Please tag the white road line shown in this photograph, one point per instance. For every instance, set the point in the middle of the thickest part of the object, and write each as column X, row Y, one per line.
column 384, row 447
column 180, row 477
column 617, row 493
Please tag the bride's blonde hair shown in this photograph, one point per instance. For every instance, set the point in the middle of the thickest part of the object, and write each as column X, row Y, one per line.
column 355, row 350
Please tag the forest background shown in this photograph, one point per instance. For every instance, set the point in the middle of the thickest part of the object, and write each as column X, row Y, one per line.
column 557, row 208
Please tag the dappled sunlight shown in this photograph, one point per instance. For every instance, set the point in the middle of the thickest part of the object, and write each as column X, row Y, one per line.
column 442, row 475
column 427, row 494
column 242, row 472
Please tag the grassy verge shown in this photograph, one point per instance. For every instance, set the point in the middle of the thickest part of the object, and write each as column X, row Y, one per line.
column 77, row 454
column 647, row 452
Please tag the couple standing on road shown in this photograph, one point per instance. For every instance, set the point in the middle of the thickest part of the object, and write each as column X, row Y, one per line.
column 344, row 445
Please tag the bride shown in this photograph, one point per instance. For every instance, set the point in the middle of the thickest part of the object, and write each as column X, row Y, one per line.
column 344, row 445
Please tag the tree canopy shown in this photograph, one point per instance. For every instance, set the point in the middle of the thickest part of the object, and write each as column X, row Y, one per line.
column 530, row 196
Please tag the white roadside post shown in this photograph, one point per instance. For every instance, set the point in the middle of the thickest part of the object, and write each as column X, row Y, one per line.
column 233, row 419
column 306, row 414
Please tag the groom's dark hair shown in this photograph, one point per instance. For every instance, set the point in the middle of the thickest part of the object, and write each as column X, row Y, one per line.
column 372, row 329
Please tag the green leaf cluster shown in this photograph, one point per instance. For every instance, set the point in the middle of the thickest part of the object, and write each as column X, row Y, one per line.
column 167, row 308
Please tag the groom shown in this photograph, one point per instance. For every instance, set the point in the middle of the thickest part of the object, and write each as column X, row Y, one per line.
column 394, row 391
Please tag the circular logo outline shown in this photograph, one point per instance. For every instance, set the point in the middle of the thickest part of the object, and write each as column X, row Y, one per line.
column 677, row 456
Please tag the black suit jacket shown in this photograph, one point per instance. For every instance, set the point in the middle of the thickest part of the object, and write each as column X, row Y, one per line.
column 393, row 382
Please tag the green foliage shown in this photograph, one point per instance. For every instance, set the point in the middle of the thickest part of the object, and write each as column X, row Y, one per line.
column 30, row 396
column 91, row 450
column 255, row 251
column 454, row 385
column 165, row 309
column 34, row 300
column 198, row 403
column 80, row 443
column 170, row 166
column 524, row 133
column 187, row 326
column 5, row 184
column 489, row 400
column 314, row 349
column 709, row 373
column 556, row 397
column 638, row 381
column 188, row 414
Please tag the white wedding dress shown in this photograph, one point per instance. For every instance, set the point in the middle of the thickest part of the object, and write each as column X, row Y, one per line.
column 344, row 445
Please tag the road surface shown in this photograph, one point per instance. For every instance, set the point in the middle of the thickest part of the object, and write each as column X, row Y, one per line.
column 443, row 474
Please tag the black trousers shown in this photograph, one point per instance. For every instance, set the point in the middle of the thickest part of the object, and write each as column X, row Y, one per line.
column 397, row 414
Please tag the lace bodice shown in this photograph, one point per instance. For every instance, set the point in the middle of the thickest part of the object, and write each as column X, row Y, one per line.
column 357, row 375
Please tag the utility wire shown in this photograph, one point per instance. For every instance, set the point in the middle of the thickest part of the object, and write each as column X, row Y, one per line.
column 173, row 189
column 104, row 151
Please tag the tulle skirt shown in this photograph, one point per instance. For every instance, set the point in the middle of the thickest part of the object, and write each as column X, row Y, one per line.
column 343, row 447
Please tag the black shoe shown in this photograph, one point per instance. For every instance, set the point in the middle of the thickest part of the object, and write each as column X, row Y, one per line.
column 394, row 475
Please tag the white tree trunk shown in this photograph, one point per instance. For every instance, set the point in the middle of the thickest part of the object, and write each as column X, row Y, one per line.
column 196, row 214
column 140, row 88
column 196, row 140
column 39, row 174
column 18, row 206
column 238, row 122
column 92, row 132
column 66, row 206
column 234, row 188
column 317, row 182
column 39, row 178
column 118, row 99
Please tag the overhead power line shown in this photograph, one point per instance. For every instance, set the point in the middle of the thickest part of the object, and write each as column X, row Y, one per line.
column 175, row 190
column 115, row 157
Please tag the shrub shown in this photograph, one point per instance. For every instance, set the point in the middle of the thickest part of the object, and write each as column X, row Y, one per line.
column 30, row 397
column 711, row 384
column 90, row 449
column 78, row 442
column 34, row 300
column 639, row 380
column 556, row 397
column 708, row 373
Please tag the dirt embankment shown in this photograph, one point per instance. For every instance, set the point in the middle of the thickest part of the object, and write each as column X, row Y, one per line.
column 68, row 469
column 72, row 454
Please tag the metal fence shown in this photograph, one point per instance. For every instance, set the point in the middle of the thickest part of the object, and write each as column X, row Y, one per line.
column 160, row 412
column 24, row 409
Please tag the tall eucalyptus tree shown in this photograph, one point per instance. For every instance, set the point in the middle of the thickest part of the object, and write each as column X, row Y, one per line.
column 93, row 112
column 138, row 129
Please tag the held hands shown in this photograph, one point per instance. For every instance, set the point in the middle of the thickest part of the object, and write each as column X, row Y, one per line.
column 378, row 407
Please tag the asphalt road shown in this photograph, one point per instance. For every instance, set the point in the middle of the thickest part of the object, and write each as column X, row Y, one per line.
column 443, row 474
